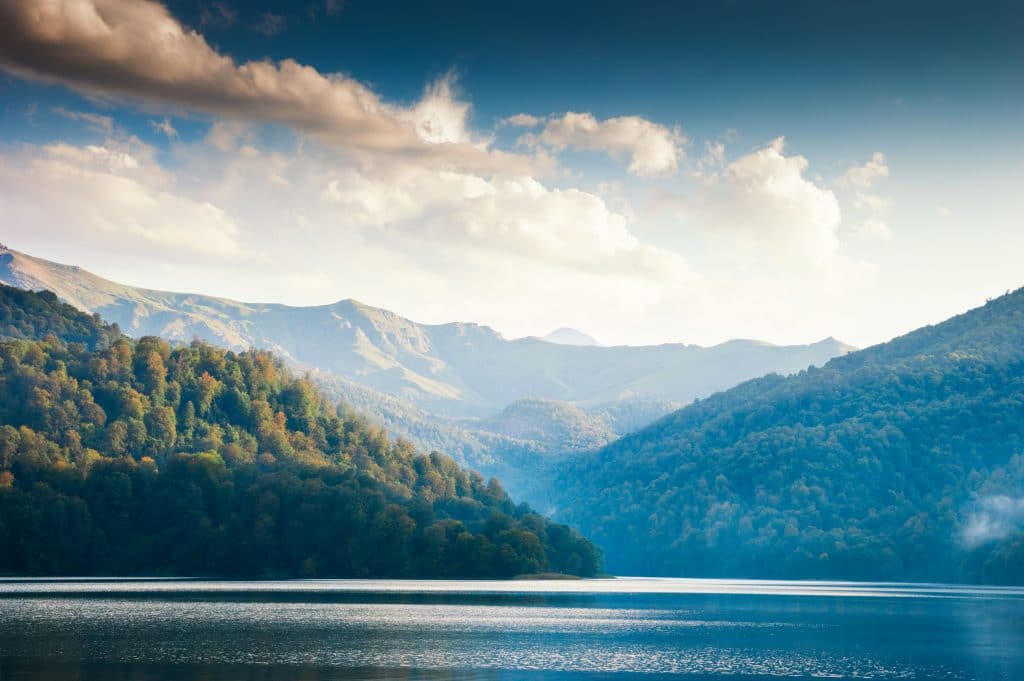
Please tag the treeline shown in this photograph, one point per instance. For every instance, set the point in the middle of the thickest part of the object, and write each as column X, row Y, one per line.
column 900, row 462
column 37, row 315
column 121, row 457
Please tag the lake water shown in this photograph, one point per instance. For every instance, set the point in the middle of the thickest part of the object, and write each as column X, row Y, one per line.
column 614, row 629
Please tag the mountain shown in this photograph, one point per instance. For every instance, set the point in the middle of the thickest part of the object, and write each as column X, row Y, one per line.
column 456, row 369
column 904, row 461
column 567, row 336
column 133, row 457
column 513, row 445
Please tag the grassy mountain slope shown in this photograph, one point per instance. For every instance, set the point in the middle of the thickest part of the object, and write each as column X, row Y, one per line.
column 901, row 461
column 132, row 457
column 451, row 369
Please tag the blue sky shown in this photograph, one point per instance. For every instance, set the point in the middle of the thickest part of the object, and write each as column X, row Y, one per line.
column 690, row 172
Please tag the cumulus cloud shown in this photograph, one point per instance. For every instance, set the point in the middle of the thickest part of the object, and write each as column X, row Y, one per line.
column 117, row 196
column 227, row 135
column 863, row 176
column 652, row 149
column 406, row 207
column 472, row 236
column 765, row 197
column 871, row 202
column 861, row 179
column 137, row 49
column 571, row 228
column 440, row 118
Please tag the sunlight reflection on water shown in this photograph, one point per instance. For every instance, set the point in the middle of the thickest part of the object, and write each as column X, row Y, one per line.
column 722, row 629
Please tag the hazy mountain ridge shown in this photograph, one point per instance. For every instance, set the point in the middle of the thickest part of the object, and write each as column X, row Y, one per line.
column 895, row 462
column 457, row 369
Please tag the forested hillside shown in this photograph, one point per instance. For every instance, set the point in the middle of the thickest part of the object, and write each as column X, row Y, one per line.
column 902, row 461
column 121, row 457
column 517, row 445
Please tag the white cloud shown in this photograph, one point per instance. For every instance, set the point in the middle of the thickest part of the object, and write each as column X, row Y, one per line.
column 652, row 149
column 877, row 229
column 110, row 198
column 452, row 236
column 439, row 118
column 227, row 135
column 764, row 197
column 863, row 176
column 408, row 208
column 861, row 179
column 872, row 202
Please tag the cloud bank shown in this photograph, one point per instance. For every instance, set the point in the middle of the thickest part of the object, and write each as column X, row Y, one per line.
column 405, row 206
column 137, row 49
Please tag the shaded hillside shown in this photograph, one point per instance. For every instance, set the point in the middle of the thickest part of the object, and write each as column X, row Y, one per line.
column 901, row 461
column 451, row 369
column 543, row 420
column 122, row 457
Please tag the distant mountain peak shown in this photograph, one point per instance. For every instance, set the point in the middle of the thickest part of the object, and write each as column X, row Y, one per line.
column 458, row 368
column 568, row 336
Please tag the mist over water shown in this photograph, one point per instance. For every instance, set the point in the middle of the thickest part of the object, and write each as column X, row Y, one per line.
column 327, row 629
column 992, row 518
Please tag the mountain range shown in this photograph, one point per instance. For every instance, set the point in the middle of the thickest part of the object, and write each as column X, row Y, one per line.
column 902, row 461
column 457, row 387
column 460, row 369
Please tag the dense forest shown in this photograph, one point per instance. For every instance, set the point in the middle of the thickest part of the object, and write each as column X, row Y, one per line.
column 135, row 457
column 902, row 461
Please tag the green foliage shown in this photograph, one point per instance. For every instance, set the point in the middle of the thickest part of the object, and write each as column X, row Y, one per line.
column 866, row 468
column 139, row 458
column 33, row 316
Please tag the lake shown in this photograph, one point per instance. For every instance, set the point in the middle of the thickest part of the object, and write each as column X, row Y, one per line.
column 616, row 629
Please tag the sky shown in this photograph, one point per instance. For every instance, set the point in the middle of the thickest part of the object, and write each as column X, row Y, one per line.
column 644, row 172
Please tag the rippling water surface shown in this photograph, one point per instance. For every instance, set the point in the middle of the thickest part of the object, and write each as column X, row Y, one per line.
column 621, row 628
